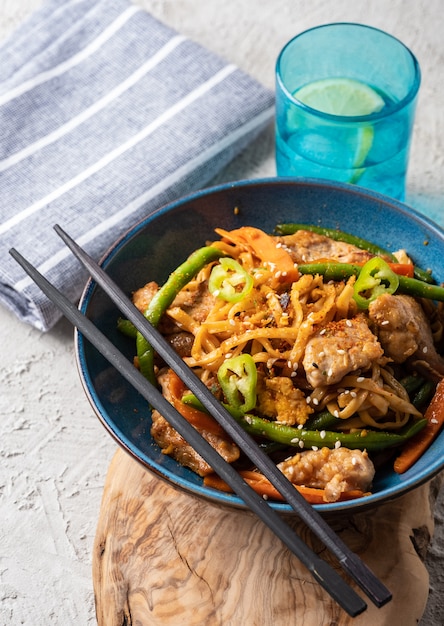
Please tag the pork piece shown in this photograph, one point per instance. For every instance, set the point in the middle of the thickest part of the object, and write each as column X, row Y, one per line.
column 306, row 247
column 405, row 334
column 143, row 296
column 336, row 471
column 175, row 445
column 340, row 348
column 197, row 303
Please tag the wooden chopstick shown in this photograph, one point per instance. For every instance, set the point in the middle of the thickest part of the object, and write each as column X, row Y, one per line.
column 348, row 560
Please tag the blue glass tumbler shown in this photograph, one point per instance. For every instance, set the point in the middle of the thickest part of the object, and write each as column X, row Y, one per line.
column 345, row 104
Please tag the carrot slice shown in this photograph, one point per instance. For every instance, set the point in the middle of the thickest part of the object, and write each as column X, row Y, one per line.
column 265, row 248
column 402, row 269
column 417, row 445
column 198, row 419
column 264, row 488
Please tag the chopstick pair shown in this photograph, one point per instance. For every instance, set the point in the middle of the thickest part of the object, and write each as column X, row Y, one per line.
column 325, row 575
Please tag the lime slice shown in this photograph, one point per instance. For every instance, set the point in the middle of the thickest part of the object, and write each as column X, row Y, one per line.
column 340, row 96
column 348, row 98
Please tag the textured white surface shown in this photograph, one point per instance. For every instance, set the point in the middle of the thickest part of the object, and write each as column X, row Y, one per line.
column 54, row 453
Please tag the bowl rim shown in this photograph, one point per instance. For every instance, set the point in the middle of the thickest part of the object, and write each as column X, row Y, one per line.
column 213, row 496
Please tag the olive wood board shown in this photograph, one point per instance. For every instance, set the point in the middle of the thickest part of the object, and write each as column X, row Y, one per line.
column 164, row 558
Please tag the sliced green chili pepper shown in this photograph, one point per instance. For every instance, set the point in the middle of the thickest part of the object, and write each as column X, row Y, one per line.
column 229, row 281
column 165, row 296
column 375, row 279
column 363, row 244
column 238, row 378
column 370, row 440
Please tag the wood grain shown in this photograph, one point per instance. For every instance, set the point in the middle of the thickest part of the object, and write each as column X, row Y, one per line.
column 165, row 558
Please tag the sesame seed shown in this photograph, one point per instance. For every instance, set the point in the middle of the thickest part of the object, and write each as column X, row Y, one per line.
column 425, row 349
column 353, row 394
column 322, row 434
column 308, row 399
column 283, row 273
column 293, row 374
column 360, row 379
column 314, row 448
column 301, row 444
column 279, row 244
column 434, row 421
column 322, row 353
column 337, row 444
column 264, row 496
column 330, row 372
column 216, row 292
column 354, row 460
column 289, row 364
column 232, row 322
column 248, row 419
column 323, row 331
column 349, row 323
column 294, row 440
column 385, row 323
column 315, row 401
column 341, row 351
column 336, row 413
column 295, row 366
column 300, row 426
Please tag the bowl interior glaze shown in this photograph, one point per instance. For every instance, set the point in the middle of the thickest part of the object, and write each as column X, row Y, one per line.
column 158, row 244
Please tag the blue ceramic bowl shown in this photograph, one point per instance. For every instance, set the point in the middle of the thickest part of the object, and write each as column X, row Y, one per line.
column 159, row 243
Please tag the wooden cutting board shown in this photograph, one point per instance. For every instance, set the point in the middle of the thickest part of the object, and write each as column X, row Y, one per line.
column 164, row 558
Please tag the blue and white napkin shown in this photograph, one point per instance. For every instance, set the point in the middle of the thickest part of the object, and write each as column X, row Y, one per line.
column 105, row 114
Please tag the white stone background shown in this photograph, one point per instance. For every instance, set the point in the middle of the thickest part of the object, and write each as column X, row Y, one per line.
column 54, row 454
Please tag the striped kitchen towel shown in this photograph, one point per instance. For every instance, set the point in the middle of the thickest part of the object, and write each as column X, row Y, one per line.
column 105, row 114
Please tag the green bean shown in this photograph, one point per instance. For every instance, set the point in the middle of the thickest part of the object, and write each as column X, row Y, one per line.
column 331, row 270
column 310, row 436
column 412, row 383
column 424, row 395
column 165, row 296
column 370, row 440
column 322, row 421
column 342, row 271
column 126, row 327
column 420, row 289
column 362, row 244
column 191, row 400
